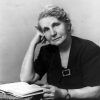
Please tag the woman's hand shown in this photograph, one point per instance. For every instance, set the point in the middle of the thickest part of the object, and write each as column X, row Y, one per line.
column 53, row 92
column 39, row 37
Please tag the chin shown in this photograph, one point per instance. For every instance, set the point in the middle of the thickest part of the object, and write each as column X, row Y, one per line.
column 57, row 43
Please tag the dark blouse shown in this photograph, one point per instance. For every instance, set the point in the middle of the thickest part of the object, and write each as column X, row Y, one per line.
column 83, row 65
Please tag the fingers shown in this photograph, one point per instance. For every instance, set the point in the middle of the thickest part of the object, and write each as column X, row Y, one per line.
column 39, row 33
column 47, row 86
column 48, row 92
column 43, row 39
column 38, row 28
column 47, row 96
column 47, row 89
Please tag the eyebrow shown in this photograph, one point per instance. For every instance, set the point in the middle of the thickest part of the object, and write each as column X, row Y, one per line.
column 53, row 24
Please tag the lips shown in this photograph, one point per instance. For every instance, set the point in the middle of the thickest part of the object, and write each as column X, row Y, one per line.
column 55, row 39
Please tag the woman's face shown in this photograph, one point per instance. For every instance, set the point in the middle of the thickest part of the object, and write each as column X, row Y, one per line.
column 54, row 30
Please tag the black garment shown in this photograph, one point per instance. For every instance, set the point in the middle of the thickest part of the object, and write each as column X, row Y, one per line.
column 84, row 64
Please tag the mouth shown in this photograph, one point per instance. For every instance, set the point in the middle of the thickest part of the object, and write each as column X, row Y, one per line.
column 56, row 39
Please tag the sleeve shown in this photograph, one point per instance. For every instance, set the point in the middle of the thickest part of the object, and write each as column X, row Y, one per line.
column 91, row 65
column 40, row 64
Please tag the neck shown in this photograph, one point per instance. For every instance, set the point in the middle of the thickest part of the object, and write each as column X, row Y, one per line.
column 65, row 46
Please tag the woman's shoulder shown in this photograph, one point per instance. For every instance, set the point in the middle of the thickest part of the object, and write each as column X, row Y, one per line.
column 85, row 47
column 84, row 42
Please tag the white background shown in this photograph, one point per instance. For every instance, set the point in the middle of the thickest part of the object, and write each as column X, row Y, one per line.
column 17, row 20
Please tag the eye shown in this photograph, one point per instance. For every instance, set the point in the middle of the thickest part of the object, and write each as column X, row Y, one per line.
column 45, row 29
column 55, row 24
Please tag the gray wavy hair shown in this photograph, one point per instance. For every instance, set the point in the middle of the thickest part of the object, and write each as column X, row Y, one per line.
column 57, row 12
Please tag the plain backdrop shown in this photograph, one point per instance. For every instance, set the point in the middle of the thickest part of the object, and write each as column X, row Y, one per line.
column 17, row 21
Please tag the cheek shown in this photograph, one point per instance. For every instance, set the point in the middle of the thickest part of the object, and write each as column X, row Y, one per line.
column 47, row 36
column 60, row 29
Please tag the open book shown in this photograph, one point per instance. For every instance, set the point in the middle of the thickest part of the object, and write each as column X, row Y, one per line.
column 21, row 89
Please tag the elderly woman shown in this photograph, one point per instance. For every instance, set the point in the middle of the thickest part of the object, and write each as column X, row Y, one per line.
column 72, row 64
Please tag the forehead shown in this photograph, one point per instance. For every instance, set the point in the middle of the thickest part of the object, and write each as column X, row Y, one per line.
column 48, row 21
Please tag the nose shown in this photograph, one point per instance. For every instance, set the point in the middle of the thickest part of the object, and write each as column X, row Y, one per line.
column 53, row 33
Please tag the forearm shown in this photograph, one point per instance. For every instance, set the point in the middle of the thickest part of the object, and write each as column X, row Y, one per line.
column 27, row 70
column 86, row 92
column 83, row 93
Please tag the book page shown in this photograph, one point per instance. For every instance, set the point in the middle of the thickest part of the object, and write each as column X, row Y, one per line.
column 21, row 89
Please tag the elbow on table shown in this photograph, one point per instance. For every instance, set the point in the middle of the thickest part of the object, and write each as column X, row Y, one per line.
column 26, row 78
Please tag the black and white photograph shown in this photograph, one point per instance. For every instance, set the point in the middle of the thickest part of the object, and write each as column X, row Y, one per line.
column 49, row 49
